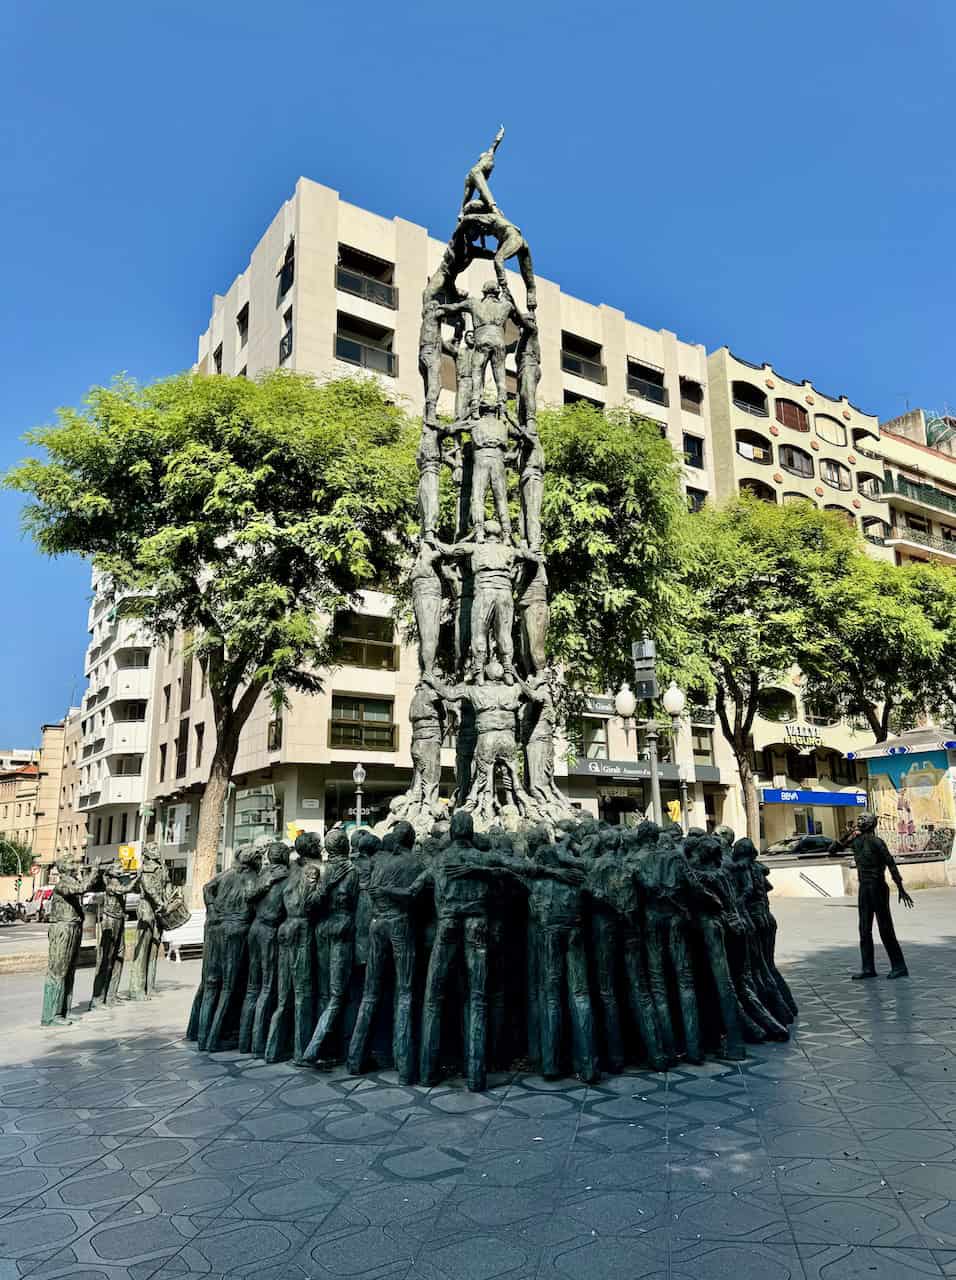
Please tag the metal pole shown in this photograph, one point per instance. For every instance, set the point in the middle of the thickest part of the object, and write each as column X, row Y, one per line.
column 656, row 809
column 358, row 805
column 681, row 780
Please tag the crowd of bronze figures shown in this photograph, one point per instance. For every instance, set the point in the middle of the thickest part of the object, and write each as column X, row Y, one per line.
column 465, row 952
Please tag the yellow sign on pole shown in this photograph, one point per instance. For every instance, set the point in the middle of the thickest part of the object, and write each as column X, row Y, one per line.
column 673, row 810
column 127, row 857
column 293, row 831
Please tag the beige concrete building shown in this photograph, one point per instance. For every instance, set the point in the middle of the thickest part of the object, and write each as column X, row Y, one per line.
column 70, row 839
column 114, row 730
column 333, row 290
column 18, row 799
column 920, row 486
column 52, row 745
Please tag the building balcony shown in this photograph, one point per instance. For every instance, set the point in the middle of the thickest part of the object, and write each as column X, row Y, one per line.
column 362, row 286
column 121, row 789
column 655, row 392
column 926, row 495
column 917, row 540
column 130, row 682
column 581, row 367
column 126, row 737
column 367, row 357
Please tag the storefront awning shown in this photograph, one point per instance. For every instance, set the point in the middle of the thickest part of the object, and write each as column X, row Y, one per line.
column 906, row 744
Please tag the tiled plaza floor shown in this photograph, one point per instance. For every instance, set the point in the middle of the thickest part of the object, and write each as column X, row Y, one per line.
column 124, row 1153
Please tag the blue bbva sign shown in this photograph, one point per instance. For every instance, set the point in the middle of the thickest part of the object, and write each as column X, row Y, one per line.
column 843, row 799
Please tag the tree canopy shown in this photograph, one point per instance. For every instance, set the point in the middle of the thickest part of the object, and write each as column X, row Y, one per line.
column 752, row 570
column 237, row 511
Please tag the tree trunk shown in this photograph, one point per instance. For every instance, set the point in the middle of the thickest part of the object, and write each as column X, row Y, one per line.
column 211, row 809
column 751, row 800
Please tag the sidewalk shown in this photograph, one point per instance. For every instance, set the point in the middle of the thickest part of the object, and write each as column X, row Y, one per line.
column 125, row 1153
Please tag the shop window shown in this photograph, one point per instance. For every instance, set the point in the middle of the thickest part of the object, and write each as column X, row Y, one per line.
column 364, row 724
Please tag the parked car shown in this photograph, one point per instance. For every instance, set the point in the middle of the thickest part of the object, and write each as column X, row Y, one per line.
column 797, row 846
column 37, row 908
column 132, row 902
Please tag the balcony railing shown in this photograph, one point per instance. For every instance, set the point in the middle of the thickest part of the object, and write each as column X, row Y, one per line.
column 593, row 370
column 918, row 492
column 376, row 655
column 752, row 409
column 360, row 353
column 362, row 286
column 285, row 346
column 931, row 540
column 653, row 391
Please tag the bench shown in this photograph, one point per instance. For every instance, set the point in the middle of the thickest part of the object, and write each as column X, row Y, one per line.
column 188, row 936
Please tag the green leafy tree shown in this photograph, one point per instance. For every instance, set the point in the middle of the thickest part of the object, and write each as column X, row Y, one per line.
column 751, row 572
column 615, row 533
column 886, row 644
column 16, row 857
column 241, row 513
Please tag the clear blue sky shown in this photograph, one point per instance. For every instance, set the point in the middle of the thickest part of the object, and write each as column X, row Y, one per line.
column 776, row 177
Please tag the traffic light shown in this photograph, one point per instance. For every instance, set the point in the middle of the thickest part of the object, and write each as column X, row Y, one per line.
column 19, row 883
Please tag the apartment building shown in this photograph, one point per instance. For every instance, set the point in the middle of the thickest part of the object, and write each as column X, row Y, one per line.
column 18, row 798
column 49, row 777
column 333, row 290
column 113, row 731
column 16, row 757
column 919, row 488
column 70, row 823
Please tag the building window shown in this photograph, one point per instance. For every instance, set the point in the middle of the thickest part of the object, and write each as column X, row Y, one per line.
column 691, row 396
column 365, row 344
column 167, row 694
column 124, row 826
column 830, row 430
column 109, row 829
column 749, row 398
column 591, row 737
column 777, row 704
column 366, row 277
column 574, row 397
column 274, row 734
column 695, row 498
column 286, row 272
column 702, row 742
column 242, row 325
column 835, row 474
column 285, row 342
column 753, row 446
column 796, row 500
column 647, row 381
column 200, row 734
column 99, row 831
column 794, row 460
column 130, row 712
column 203, row 665
column 792, row 415
column 694, row 451
column 186, row 686
column 919, row 523
column 217, row 362
column 583, row 358
column 162, row 762
column 362, row 723
column 871, row 486
column 182, row 749
column 363, row 640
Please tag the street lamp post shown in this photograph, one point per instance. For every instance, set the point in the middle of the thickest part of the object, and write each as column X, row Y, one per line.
column 674, row 702
column 625, row 704
column 358, row 777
